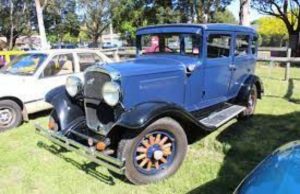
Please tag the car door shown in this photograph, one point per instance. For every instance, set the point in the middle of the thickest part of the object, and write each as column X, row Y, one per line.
column 56, row 71
column 242, row 62
column 217, row 67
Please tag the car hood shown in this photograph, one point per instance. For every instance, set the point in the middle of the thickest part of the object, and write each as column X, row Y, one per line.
column 153, row 64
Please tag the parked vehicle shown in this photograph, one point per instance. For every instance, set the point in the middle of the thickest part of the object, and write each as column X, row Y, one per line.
column 31, row 75
column 64, row 46
column 276, row 174
column 135, row 117
column 109, row 45
column 7, row 56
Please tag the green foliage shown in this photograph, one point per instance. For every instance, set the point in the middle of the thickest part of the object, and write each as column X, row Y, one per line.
column 128, row 15
column 61, row 19
column 272, row 30
column 15, row 19
column 223, row 16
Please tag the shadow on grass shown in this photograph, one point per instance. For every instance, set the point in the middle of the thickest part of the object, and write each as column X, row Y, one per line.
column 88, row 168
column 290, row 91
column 250, row 142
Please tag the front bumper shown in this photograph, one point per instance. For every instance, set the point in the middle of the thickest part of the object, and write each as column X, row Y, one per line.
column 109, row 162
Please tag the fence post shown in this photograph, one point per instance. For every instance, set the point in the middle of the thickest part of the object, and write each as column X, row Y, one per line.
column 116, row 55
column 288, row 65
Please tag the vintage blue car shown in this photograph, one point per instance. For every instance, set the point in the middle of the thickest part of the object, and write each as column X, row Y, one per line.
column 279, row 173
column 135, row 117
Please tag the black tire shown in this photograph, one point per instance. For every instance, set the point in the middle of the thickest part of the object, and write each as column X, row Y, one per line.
column 250, row 103
column 128, row 148
column 10, row 115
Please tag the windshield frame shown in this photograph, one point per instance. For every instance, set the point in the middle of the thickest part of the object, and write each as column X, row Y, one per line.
column 42, row 57
column 181, row 35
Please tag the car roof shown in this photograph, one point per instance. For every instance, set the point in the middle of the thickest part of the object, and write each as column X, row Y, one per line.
column 58, row 51
column 196, row 28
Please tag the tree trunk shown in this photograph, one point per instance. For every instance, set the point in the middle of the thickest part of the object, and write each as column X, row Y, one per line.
column 40, row 18
column 244, row 12
column 95, row 40
column 12, row 27
column 294, row 43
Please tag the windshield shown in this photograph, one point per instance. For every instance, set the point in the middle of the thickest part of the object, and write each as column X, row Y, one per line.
column 184, row 44
column 25, row 64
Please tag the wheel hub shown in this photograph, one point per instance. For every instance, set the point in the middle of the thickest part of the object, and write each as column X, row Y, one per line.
column 5, row 116
column 154, row 152
column 158, row 155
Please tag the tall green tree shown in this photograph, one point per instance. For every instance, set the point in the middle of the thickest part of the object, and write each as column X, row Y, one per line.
column 286, row 10
column 60, row 19
column 272, row 31
column 96, row 17
column 16, row 18
column 223, row 16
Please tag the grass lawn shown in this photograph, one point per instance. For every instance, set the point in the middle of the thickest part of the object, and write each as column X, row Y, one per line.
column 216, row 163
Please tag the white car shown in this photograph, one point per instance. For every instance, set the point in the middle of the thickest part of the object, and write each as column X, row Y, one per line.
column 30, row 76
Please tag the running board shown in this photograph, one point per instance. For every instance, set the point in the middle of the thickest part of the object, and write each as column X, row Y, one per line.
column 217, row 119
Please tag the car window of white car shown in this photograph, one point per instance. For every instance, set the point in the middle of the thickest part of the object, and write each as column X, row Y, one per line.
column 88, row 59
column 59, row 65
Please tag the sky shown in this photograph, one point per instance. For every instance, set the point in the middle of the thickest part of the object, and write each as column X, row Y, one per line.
column 235, row 6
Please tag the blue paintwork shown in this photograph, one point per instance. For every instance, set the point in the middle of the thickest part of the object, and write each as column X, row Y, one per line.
column 163, row 77
column 279, row 173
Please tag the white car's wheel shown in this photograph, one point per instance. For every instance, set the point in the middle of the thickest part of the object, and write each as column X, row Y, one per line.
column 10, row 115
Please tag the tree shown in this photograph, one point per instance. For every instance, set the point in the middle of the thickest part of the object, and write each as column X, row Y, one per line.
column 286, row 10
column 272, row 31
column 244, row 12
column 225, row 16
column 131, row 14
column 96, row 17
column 15, row 19
column 40, row 18
column 201, row 11
column 61, row 19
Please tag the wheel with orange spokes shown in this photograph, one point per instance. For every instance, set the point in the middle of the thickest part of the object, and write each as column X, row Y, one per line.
column 154, row 154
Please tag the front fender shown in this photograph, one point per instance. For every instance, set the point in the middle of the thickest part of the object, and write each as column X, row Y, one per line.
column 68, row 111
column 144, row 114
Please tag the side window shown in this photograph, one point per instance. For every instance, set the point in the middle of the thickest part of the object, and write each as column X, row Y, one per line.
column 191, row 44
column 242, row 45
column 254, row 45
column 60, row 65
column 88, row 59
column 172, row 43
column 218, row 45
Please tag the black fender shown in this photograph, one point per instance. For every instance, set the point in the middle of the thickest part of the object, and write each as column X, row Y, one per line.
column 246, row 88
column 142, row 115
column 68, row 111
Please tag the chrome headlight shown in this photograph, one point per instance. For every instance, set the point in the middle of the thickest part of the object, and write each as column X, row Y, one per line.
column 111, row 93
column 73, row 85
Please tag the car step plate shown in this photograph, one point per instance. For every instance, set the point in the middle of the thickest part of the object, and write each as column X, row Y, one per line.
column 217, row 119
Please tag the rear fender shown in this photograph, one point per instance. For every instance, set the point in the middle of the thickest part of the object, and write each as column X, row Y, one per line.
column 246, row 88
